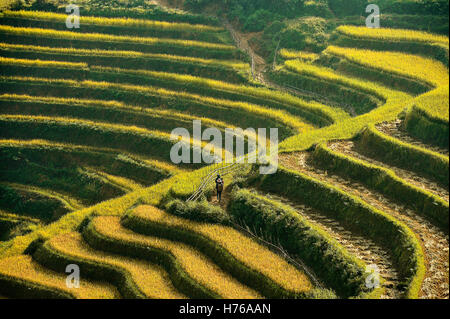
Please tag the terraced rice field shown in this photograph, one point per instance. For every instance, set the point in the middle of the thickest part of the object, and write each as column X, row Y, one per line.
column 86, row 177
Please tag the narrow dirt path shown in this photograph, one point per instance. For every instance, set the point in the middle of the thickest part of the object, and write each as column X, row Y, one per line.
column 350, row 148
column 241, row 39
column 258, row 64
column 435, row 243
column 226, row 196
column 259, row 67
column 395, row 130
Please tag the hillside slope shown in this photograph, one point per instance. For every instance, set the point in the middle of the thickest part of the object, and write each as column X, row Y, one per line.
column 87, row 179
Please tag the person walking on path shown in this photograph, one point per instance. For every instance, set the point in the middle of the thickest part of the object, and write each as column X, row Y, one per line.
column 219, row 187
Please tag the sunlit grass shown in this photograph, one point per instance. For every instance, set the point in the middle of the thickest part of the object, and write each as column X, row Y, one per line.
column 264, row 93
column 19, row 218
column 72, row 204
column 124, row 22
column 241, row 247
column 99, row 37
column 134, row 130
column 123, row 54
column 43, row 64
column 333, row 76
column 71, row 221
column 294, row 54
column 151, row 279
column 435, row 103
column 156, row 113
column 278, row 115
column 423, row 69
column 126, row 184
column 24, row 268
column 199, row 267
column 45, row 144
column 392, row 34
column 87, row 123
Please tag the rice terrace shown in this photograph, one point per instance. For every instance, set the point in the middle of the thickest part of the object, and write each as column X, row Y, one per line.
column 111, row 189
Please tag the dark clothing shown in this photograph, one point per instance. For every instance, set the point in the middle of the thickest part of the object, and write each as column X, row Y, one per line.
column 219, row 181
column 219, row 188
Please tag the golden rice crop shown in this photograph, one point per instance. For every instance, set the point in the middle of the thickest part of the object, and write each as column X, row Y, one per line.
column 199, row 267
column 5, row 214
column 333, row 76
column 420, row 68
column 122, row 54
column 24, row 268
column 282, row 97
column 349, row 128
column 69, row 202
column 5, row 4
column 49, row 144
column 101, row 125
column 166, row 166
column 392, row 34
column 294, row 54
column 123, row 183
column 162, row 114
column 43, row 64
column 70, row 121
column 241, row 247
column 70, row 222
column 220, row 85
column 151, row 279
column 98, row 37
column 31, row 223
column 278, row 115
column 424, row 69
column 435, row 103
column 125, row 22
